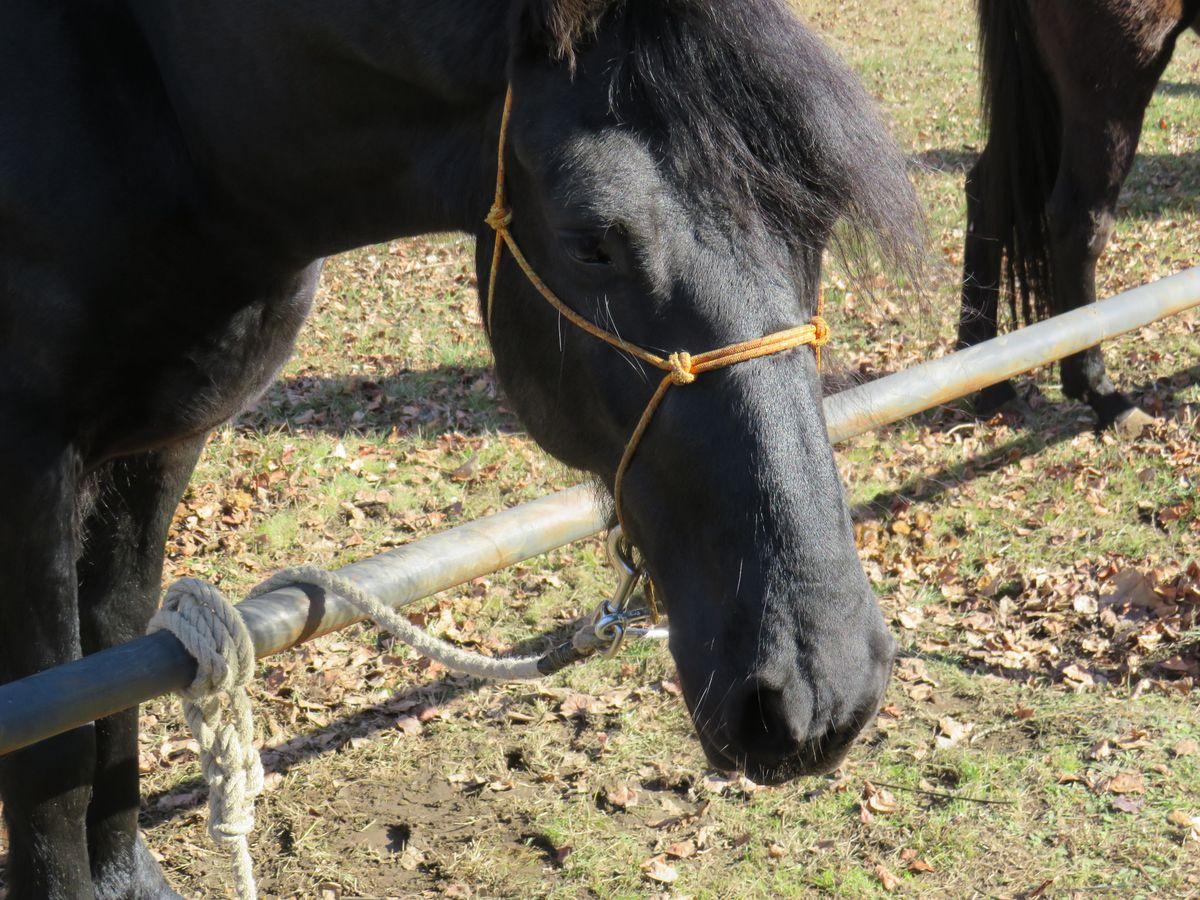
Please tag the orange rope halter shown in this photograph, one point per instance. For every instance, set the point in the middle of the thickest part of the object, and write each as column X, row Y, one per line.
column 681, row 367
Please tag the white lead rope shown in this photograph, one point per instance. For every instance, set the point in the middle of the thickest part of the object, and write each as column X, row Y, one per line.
column 217, row 706
column 211, row 630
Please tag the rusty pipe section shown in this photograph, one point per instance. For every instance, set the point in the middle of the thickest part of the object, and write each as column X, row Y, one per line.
column 66, row 697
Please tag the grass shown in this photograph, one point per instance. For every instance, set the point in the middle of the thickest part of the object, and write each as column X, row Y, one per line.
column 982, row 538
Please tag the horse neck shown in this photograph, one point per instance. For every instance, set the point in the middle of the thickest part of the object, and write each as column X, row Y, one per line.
column 333, row 125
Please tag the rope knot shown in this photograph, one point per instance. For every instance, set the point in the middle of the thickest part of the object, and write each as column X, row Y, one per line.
column 681, row 368
column 217, row 709
column 499, row 217
column 820, row 331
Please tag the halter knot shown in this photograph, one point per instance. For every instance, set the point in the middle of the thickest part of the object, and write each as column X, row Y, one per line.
column 820, row 331
column 499, row 217
column 681, row 368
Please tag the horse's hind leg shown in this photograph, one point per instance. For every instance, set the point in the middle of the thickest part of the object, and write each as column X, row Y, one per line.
column 120, row 575
column 45, row 788
column 1096, row 159
column 1103, row 97
column 982, row 258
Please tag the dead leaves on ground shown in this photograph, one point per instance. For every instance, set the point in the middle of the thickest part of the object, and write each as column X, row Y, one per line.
column 1098, row 622
column 1103, row 619
column 875, row 801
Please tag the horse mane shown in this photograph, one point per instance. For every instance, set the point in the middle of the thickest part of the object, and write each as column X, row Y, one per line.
column 750, row 104
column 568, row 22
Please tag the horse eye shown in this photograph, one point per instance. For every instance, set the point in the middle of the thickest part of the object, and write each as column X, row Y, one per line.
column 586, row 247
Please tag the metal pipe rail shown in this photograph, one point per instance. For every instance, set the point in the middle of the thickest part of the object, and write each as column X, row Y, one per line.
column 79, row 692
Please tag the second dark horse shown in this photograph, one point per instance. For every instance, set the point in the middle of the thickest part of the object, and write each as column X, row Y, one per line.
column 1066, row 84
column 169, row 173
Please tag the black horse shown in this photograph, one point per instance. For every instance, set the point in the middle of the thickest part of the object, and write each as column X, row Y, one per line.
column 169, row 175
column 1066, row 84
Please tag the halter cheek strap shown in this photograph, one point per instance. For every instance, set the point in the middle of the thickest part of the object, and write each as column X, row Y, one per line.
column 681, row 368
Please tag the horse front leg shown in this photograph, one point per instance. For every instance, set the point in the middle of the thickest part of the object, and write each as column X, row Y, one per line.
column 120, row 575
column 45, row 788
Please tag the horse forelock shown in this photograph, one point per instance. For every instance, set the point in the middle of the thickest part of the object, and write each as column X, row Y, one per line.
column 568, row 22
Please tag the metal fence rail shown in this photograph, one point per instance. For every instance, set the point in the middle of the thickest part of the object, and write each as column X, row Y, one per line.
column 71, row 695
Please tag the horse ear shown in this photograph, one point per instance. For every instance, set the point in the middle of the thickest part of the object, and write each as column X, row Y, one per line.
column 554, row 28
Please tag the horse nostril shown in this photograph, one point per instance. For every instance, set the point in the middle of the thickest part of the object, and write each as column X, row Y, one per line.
column 766, row 728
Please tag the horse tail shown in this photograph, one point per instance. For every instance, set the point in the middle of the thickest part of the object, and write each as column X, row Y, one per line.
column 1023, row 126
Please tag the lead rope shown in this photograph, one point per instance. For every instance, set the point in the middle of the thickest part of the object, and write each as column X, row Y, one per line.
column 681, row 367
column 216, row 704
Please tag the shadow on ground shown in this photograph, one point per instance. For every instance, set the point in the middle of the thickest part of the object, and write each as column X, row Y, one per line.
column 1043, row 427
column 462, row 399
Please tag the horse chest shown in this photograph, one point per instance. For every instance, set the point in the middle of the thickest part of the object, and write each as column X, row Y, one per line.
column 203, row 370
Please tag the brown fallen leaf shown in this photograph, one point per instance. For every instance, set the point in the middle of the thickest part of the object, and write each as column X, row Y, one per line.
column 560, row 854
column 1134, row 739
column 715, row 784
column 1126, row 783
column 1102, row 749
column 1189, row 822
column 466, row 471
column 1128, row 803
column 576, row 705
column 668, row 822
column 680, row 850
column 913, row 670
column 1186, row 747
column 919, row 866
column 920, row 692
column 950, row 732
column 656, row 869
column 886, row 878
column 878, row 800
column 409, row 725
column 621, row 797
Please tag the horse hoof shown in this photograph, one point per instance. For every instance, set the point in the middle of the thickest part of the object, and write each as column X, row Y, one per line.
column 143, row 880
column 1131, row 423
column 149, row 881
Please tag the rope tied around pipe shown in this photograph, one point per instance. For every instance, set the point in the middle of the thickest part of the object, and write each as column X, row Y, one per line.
column 216, row 704
column 217, row 709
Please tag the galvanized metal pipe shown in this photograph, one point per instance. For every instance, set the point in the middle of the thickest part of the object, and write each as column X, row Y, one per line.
column 79, row 692
column 878, row 403
column 96, row 686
